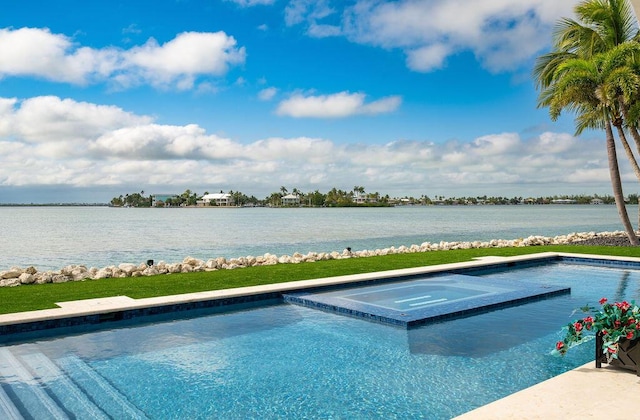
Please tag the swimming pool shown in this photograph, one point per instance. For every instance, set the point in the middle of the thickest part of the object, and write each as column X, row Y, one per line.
column 287, row 361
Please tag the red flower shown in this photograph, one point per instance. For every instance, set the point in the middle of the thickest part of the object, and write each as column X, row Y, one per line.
column 623, row 306
column 602, row 301
column 612, row 349
column 578, row 326
column 631, row 321
column 588, row 319
column 617, row 323
column 630, row 335
column 559, row 345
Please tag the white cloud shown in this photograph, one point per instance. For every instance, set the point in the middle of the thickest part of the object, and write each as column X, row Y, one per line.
column 174, row 64
column 50, row 127
column 310, row 11
column 131, row 29
column 324, row 31
column 267, row 94
column 38, row 52
column 501, row 33
column 251, row 3
column 180, row 60
column 338, row 105
column 53, row 141
column 427, row 58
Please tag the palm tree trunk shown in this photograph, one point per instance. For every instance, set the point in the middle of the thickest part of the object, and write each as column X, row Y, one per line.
column 616, row 184
column 632, row 158
column 636, row 137
column 628, row 151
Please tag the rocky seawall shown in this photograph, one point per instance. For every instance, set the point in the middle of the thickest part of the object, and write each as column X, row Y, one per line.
column 17, row 276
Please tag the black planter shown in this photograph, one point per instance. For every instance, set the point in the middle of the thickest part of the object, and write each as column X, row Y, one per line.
column 628, row 354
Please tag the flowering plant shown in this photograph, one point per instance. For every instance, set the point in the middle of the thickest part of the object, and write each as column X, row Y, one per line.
column 615, row 321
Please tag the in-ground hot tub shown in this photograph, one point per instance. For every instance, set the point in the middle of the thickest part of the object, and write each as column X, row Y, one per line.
column 425, row 299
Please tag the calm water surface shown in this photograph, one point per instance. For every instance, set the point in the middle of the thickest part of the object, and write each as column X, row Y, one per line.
column 53, row 237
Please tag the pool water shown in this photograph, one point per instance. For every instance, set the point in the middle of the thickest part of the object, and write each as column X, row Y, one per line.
column 288, row 361
column 409, row 297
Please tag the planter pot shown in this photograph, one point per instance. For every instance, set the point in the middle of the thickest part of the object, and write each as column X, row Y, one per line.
column 628, row 354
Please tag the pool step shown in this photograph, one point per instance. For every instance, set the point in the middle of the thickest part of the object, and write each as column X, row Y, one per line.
column 35, row 401
column 64, row 389
column 8, row 409
column 105, row 395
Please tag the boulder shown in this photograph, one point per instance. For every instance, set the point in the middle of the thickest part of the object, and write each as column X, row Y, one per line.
column 11, row 282
column 10, row 274
column 59, row 278
column 26, row 278
column 42, row 278
column 128, row 268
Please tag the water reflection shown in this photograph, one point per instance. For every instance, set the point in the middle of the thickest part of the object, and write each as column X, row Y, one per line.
column 491, row 332
column 622, row 286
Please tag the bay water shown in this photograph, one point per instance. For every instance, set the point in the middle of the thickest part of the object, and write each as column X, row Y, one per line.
column 50, row 238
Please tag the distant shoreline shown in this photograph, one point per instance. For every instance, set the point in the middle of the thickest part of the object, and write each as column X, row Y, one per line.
column 291, row 207
column 55, row 205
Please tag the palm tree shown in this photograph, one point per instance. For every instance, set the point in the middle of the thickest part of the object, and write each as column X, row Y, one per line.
column 589, row 88
column 587, row 73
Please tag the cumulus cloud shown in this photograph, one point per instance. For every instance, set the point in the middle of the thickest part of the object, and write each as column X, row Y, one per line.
column 501, row 33
column 180, row 60
column 338, row 105
column 82, row 144
column 174, row 64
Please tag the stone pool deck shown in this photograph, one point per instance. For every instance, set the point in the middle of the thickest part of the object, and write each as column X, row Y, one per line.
column 585, row 392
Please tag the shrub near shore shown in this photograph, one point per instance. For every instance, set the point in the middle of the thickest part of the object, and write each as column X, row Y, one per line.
column 22, row 276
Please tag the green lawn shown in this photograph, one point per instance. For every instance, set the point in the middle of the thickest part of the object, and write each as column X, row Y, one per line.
column 33, row 297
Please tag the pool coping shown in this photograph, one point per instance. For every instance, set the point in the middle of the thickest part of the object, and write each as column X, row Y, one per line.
column 554, row 398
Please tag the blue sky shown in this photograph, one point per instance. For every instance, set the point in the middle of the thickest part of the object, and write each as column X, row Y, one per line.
column 431, row 97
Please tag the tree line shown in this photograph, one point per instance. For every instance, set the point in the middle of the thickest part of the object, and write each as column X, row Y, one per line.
column 357, row 197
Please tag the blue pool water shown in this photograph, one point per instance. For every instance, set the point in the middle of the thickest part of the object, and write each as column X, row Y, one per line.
column 287, row 361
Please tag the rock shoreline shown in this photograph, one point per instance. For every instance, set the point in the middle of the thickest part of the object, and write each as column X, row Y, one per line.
column 17, row 276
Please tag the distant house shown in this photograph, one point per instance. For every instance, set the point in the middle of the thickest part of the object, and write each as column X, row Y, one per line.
column 159, row 200
column 563, row 201
column 291, row 200
column 217, row 199
column 364, row 198
column 596, row 201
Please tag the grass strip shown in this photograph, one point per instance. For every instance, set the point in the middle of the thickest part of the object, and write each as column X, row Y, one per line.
column 44, row 296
